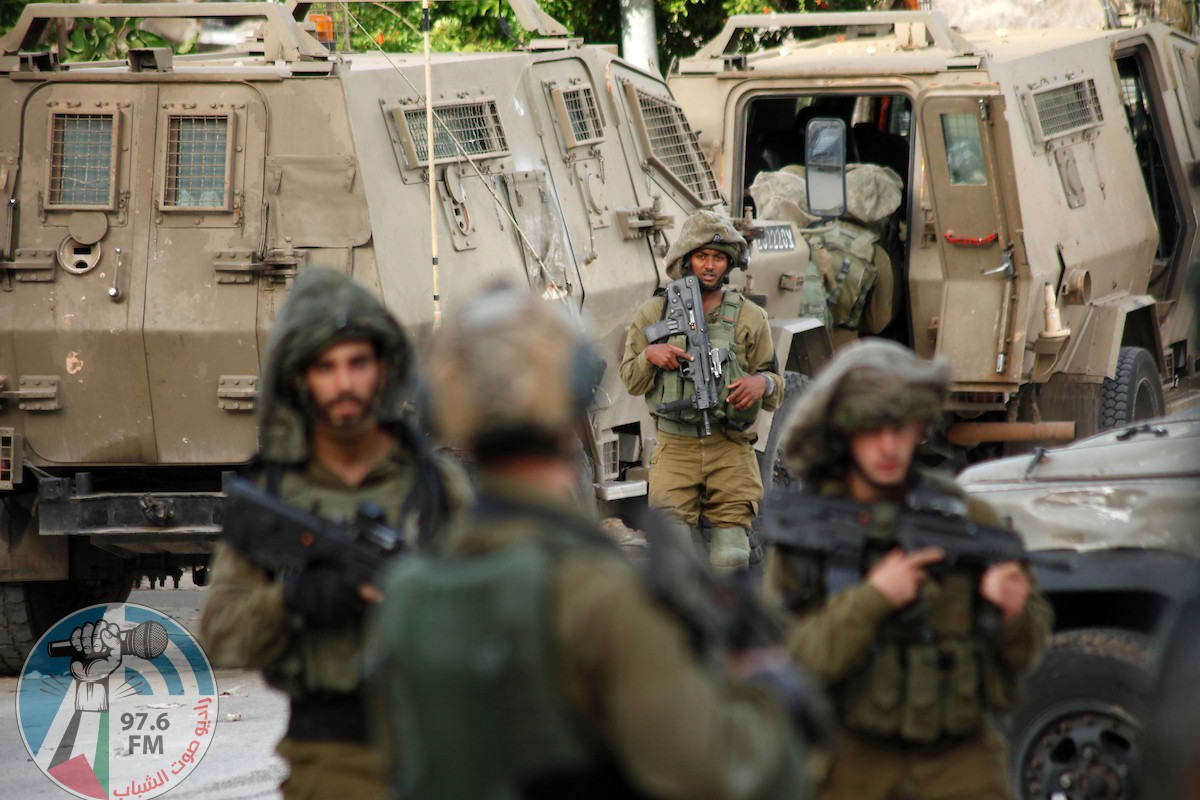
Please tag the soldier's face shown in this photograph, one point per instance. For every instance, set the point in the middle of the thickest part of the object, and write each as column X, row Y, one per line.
column 709, row 267
column 343, row 383
column 882, row 456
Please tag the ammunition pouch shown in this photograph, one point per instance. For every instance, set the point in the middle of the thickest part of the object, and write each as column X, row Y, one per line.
column 673, row 387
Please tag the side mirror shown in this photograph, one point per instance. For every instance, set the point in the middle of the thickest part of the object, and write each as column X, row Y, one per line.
column 825, row 167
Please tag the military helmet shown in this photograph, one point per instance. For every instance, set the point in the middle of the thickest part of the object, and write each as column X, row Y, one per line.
column 510, row 372
column 707, row 229
column 322, row 309
column 869, row 384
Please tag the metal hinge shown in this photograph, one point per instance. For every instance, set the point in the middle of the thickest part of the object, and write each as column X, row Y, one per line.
column 241, row 266
column 33, row 392
column 635, row 223
column 237, row 392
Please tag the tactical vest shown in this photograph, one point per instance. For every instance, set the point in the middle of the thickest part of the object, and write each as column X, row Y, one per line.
column 673, row 387
column 320, row 662
column 845, row 257
column 468, row 656
column 932, row 674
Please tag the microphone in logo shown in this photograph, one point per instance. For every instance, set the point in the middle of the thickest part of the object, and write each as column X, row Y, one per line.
column 147, row 641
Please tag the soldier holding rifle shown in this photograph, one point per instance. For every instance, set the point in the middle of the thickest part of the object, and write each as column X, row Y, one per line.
column 532, row 660
column 333, row 436
column 918, row 649
column 705, row 384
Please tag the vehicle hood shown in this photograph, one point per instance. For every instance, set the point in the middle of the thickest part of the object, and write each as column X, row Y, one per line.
column 1133, row 487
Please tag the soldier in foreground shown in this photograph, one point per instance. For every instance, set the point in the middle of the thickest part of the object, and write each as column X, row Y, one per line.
column 531, row 661
column 694, row 474
column 332, row 436
column 916, row 663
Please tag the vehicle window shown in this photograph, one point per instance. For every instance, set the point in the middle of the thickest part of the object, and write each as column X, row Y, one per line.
column 81, row 160
column 460, row 131
column 197, row 174
column 673, row 148
column 578, row 115
column 964, row 150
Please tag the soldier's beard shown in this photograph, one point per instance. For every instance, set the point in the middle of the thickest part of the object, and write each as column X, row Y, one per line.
column 339, row 422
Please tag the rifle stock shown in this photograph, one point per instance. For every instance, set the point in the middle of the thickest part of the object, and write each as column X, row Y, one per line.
column 278, row 536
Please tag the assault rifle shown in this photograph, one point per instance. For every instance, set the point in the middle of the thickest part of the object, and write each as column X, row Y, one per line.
column 840, row 531
column 279, row 536
column 719, row 612
column 723, row 613
column 684, row 315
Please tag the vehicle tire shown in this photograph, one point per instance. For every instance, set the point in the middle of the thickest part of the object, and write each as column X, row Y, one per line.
column 1134, row 393
column 1077, row 734
column 770, row 462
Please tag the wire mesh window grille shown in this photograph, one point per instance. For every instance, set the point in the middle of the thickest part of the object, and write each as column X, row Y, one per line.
column 197, row 162
column 459, row 131
column 1066, row 109
column 582, row 112
column 675, row 147
column 81, row 159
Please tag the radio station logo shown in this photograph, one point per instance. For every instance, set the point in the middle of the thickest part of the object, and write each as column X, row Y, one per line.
column 117, row 700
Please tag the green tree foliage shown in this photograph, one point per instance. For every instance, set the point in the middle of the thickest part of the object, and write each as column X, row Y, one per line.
column 463, row 25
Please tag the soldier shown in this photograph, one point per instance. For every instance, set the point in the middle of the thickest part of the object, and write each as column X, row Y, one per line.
column 916, row 666
column 714, row 476
column 333, row 436
column 531, row 661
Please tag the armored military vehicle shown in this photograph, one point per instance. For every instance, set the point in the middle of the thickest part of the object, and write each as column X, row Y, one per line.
column 155, row 210
column 1120, row 508
column 1049, row 204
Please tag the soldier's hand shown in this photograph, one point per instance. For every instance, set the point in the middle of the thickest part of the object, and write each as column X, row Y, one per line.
column 899, row 576
column 745, row 391
column 665, row 355
column 324, row 595
column 1007, row 587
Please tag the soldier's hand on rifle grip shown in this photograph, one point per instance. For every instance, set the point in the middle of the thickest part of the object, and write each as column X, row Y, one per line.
column 745, row 391
column 1007, row 587
column 665, row 355
column 325, row 595
column 899, row 576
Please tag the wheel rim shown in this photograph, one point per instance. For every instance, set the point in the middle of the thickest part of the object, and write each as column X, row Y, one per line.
column 1081, row 749
column 1144, row 405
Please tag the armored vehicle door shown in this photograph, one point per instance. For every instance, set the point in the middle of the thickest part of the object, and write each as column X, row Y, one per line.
column 970, row 214
column 132, row 200
column 200, row 294
column 77, row 286
column 587, row 166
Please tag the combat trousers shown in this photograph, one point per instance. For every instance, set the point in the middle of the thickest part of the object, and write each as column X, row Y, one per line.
column 325, row 769
column 970, row 769
column 713, row 476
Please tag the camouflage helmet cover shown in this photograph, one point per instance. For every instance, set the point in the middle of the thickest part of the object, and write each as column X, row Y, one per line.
column 707, row 229
column 322, row 309
column 510, row 366
column 867, row 385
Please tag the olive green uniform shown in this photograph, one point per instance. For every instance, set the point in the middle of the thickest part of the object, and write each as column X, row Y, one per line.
column 916, row 695
column 692, row 475
column 245, row 624
column 627, row 709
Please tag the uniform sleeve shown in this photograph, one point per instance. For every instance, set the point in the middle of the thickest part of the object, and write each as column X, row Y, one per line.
column 678, row 731
column 758, row 351
column 834, row 640
column 244, row 622
column 1023, row 640
column 637, row 373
